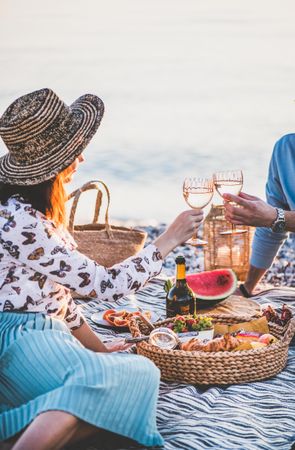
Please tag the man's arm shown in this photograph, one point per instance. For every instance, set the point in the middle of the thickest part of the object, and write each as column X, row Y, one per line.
column 267, row 243
column 254, row 212
column 290, row 220
column 254, row 275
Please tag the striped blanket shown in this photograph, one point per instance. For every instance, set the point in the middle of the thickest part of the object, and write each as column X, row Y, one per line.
column 254, row 416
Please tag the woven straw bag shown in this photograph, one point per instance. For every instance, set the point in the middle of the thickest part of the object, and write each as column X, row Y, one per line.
column 104, row 243
column 199, row 367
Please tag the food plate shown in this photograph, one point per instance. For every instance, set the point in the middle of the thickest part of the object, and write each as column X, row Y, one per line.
column 98, row 319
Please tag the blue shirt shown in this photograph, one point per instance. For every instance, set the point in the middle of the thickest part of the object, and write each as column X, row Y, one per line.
column 280, row 192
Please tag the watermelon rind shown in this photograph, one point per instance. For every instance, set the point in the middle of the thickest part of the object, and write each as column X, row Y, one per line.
column 213, row 276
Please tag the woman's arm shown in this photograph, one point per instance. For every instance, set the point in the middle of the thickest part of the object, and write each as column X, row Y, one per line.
column 32, row 243
column 181, row 229
column 90, row 340
column 35, row 243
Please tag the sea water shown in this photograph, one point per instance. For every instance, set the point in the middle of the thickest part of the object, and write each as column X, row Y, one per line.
column 189, row 86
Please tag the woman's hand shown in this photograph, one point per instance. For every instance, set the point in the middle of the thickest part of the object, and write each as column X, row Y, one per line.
column 90, row 340
column 117, row 346
column 181, row 229
column 250, row 210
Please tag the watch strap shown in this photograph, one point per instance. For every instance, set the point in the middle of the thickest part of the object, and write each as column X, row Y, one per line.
column 244, row 291
column 279, row 219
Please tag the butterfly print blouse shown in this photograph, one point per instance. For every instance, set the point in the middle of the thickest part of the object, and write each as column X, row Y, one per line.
column 39, row 266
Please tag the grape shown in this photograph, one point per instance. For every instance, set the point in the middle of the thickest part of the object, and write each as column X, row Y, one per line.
column 189, row 323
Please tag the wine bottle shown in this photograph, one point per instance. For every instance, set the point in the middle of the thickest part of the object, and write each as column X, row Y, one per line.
column 180, row 298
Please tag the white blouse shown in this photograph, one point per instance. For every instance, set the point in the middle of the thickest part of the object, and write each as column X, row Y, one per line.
column 39, row 266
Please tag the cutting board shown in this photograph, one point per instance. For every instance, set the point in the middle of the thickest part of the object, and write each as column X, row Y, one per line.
column 234, row 305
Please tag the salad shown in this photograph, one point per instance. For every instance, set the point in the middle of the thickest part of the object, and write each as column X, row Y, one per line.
column 183, row 324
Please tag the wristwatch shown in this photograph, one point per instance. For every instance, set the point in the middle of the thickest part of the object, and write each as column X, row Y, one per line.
column 279, row 224
column 244, row 291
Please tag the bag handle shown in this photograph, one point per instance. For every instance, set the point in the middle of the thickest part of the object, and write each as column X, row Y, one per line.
column 94, row 184
column 290, row 331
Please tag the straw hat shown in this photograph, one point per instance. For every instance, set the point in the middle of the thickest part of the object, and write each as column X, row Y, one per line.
column 44, row 135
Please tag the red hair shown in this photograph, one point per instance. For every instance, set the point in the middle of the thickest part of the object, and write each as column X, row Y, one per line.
column 48, row 197
column 56, row 209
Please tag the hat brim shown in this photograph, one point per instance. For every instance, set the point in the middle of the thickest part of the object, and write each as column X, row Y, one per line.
column 87, row 113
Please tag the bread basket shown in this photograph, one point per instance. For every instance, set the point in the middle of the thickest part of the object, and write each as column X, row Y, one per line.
column 222, row 368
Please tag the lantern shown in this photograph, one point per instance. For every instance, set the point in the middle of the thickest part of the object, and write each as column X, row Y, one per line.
column 230, row 251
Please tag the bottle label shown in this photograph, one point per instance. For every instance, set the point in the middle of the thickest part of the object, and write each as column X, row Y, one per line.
column 184, row 309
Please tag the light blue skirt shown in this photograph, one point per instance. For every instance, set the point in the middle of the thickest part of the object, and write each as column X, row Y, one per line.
column 43, row 367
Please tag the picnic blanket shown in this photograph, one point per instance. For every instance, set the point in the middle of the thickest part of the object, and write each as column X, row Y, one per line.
column 252, row 416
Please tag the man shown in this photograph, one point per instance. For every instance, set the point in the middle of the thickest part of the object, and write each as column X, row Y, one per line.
column 272, row 219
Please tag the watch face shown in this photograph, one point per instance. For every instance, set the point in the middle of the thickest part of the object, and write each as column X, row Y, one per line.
column 279, row 227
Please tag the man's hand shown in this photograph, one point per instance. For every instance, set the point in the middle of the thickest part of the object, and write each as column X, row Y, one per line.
column 250, row 210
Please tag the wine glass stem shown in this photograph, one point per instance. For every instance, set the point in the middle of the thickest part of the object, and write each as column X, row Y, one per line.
column 195, row 307
column 231, row 224
column 231, row 245
column 195, row 235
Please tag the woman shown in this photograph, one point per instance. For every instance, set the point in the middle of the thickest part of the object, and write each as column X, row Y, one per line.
column 58, row 381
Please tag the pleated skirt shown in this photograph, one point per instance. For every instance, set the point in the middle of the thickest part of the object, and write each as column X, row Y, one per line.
column 43, row 367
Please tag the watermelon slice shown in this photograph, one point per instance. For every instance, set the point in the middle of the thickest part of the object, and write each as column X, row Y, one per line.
column 212, row 285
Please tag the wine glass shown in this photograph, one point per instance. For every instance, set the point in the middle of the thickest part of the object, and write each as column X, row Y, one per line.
column 231, row 182
column 198, row 193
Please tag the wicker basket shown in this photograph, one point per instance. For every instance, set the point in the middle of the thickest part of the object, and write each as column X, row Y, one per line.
column 217, row 367
column 104, row 243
